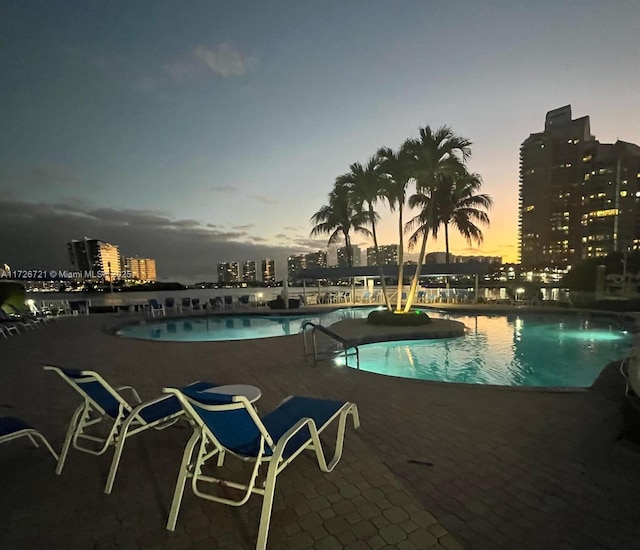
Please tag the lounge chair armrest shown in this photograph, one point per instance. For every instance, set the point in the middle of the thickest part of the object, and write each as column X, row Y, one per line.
column 131, row 390
column 146, row 404
column 286, row 436
column 624, row 367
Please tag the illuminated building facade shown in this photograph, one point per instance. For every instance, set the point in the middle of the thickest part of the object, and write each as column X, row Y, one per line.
column 268, row 271
column 388, row 255
column 577, row 197
column 141, row 269
column 228, row 273
column 95, row 259
column 343, row 258
column 249, row 271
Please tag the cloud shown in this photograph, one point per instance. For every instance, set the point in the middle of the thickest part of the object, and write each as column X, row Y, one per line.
column 225, row 60
column 243, row 227
column 223, row 189
column 34, row 235
column 39, row 176
column 264, row 199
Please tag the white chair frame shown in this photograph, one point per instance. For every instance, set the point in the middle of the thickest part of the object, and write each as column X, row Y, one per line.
column 127, row 423
column 191, row 466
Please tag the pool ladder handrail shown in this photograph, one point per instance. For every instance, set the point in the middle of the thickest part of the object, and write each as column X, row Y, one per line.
column 346, row 344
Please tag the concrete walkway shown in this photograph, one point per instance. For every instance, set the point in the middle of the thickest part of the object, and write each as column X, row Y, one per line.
column 433, row 466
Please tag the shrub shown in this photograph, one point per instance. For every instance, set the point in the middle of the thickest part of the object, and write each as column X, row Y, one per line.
column 12, row 297
column 413, row 318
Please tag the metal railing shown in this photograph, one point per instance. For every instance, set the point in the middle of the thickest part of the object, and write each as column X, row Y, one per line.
column 346, row 344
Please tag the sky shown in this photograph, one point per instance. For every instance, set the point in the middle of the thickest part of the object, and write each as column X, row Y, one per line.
column 207, row 131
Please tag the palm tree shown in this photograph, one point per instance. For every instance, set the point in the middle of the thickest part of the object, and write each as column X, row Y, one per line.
column 396, row 169
column 338, row 218
column 432, row 157
column 453, row 202
column 458, row 205
column 366, row 186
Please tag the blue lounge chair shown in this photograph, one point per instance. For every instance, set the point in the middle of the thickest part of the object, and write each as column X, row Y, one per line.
column 156, row 308
column 229, row 424
column 216, row 303
column 170, row 304
column 104, row 406
column 14, row 428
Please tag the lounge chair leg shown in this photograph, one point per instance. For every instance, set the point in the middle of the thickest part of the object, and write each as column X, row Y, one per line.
column 267, row 505
column 115, row 461
column 46, row 444
column 67, row 440
column 182, row 479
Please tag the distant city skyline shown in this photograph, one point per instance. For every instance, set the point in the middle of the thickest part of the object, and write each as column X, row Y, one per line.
column 193, row 133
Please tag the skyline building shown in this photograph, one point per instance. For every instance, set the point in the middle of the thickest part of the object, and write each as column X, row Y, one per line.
column 268, row 271
column 343, row 259
column 295, row 264
column 316, row 259
column 95, row 259
column 551, row 174
column 141, row 269
column 388, row 255
column 441, row 258
column 577, row 197
column 228, row 273
column 611, row 200
column 249, row 271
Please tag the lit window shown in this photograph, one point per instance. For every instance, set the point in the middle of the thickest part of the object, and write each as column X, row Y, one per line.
column 587, row 158
column 623, row 193
column 529, row 208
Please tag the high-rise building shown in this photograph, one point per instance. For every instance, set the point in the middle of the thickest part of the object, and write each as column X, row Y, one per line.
column 249, row 271
column 95, row 259
column 441, row 258
column 228, row 273
column 295, row 264
column 316, row 259
column 268, row 271
column 343, row 259
column 141, row 269
column 579, row 198
column 388, row 255
column 611, row 199
column 551, row 176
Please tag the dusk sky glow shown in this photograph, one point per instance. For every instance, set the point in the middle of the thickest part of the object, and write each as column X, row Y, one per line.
column 202, row 131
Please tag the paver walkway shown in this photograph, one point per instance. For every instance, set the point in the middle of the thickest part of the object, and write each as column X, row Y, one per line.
column 433, row 466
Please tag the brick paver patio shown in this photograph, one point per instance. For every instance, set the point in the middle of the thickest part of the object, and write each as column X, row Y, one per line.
column 433, row 465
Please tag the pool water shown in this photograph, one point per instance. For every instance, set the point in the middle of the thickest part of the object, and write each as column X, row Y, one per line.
column 233, row 327
column 507, row 350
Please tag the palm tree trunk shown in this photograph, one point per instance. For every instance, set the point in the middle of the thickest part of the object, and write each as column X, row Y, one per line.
column 400, row 259
column 350, row 262
column 416, row 277
column 446, row 255
column 380, row 270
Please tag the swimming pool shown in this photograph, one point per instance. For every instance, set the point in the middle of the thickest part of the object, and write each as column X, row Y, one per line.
column 233, row 327
column 507, row 350
column 504, row 350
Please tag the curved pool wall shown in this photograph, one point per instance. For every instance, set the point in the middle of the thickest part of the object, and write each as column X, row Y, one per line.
column 506, row 350
column 523, row 349
column 216, row 328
